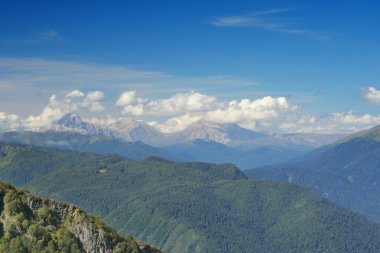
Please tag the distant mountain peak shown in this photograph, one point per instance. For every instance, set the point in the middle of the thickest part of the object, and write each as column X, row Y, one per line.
column 72, row 115
column 372, row 133
column 218, row 132
column 212, row 124
column 127, row 124
column 70, row 120
column 134, row 130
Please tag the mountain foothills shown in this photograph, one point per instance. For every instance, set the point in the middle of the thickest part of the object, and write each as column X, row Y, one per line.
column 190, row 207
column 201, row 141
column 85, row 143
column 32, row 224
column 346, row 172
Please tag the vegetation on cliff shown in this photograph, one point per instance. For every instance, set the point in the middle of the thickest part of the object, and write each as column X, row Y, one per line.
column 31, row 224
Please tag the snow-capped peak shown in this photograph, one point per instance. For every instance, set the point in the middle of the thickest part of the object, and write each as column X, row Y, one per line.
column 218, row 132
column 72, row 122
column 133, row 130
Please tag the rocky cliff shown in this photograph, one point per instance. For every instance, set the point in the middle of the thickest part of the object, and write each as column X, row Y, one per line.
column 32, row 224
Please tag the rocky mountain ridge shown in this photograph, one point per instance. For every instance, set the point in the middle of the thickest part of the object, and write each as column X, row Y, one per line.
column 228, row 134
column 32, row 224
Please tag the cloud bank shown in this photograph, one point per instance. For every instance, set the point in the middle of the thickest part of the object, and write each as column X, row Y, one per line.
column 174, row 113
column 186, row 108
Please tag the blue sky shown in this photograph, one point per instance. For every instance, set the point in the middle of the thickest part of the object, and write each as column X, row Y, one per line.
column 319, row 55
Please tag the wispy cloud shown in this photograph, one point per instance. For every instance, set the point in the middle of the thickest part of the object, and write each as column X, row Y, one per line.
column 43, row 77
column 268, row 20
column 50, row 34
column 36, row 72
column 35, row 38
column 253, row 19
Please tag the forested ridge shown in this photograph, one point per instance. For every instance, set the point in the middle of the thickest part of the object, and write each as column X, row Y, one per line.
column 32, row 224
column 190, row 207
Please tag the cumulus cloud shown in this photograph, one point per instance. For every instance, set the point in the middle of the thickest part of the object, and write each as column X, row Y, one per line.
column 252, row 110
column 179, row 103
column 136, row 110
column 250, row 113
column 371, row 94
column 9, row 122
column 339, row 122
column 106, row 121
column 344, row 122
column 72, row 102
column 76, row 100
column 126, row 98
column 269, row 114
column 350, row 118
column 176, row 124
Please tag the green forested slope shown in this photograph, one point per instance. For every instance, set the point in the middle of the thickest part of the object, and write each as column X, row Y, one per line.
column 346, row 172
column 191, row 207
column 31, row 224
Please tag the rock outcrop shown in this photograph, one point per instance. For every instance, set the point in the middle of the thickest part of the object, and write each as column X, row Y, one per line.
column 28, row 219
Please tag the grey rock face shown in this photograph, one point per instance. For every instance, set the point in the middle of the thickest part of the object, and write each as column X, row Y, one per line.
column 92, row 238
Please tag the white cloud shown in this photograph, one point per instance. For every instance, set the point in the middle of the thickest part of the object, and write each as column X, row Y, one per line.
column 36, row 77
column 51, row 75
column 371, row 94
column 252, row 19
column 250, row 113
column 176, row 124
column 35, row 38
column 95, row 95
column 75, row 93
column 356, row 120
column 101, row 121
column 177, row 104
column 136, row 110
column 72, row 102
column 128, row 98
column 268, row 20
column 76, row 100
column 339, row 122
column 9, row 122
column 247, row 110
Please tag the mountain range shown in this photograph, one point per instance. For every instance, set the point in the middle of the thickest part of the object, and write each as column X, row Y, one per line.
column 190, row 207
column 201, row 141
column 85, row 142
column 225, row 133
column 346, row 172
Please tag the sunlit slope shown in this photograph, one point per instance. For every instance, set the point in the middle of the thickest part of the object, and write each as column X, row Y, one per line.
column 192, row 207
